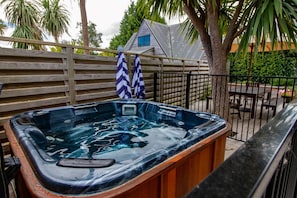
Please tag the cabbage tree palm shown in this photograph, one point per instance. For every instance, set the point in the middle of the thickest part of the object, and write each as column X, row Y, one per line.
column 55, row 18
column 220, row 22
column 84, row 23
column 25, row 16
column 28, row 32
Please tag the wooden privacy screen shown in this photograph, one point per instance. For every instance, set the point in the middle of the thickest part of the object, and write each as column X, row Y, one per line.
column 40, row 79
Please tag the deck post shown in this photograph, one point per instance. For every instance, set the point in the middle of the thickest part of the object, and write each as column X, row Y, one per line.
column 70, row 69
column 161, row 80
column 188, row 90
column 155, row 85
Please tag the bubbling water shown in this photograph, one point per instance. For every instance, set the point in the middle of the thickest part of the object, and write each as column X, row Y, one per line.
column 121, row 138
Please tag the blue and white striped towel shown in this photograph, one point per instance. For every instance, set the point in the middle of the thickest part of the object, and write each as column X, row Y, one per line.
column 122, row 78
column 137, row 81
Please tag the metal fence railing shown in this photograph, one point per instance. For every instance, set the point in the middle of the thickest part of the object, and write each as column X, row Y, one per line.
column 253, row 101
column 265, row 166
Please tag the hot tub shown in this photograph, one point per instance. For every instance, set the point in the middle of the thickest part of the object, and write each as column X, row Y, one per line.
column 116, row 148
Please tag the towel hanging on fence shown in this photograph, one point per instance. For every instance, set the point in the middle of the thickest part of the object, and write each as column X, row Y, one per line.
column 137, row 81
column 122, row 78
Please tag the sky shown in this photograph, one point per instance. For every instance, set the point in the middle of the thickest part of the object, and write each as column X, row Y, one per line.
column 107, row 15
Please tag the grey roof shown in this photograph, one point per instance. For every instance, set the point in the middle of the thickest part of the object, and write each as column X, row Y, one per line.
column 162, row 34
column 141, row 50
column 171, row 40
column 129, row 44
column 181, row 47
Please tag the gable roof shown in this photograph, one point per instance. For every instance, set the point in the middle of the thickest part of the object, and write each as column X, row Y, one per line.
column 161, row 32
column 171, row 40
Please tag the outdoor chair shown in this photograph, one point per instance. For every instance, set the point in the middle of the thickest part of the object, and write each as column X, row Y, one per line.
column 269, row 102
column 235, row 104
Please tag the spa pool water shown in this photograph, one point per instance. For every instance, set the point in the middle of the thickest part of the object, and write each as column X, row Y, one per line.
column 119, row 138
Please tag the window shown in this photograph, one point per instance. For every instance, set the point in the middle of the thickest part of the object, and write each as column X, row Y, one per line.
column 144, row 40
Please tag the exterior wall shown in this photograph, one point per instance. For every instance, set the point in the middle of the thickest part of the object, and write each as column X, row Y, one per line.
column 145, row 30
column 167, row 41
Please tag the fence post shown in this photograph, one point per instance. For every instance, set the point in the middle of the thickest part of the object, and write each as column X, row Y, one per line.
column 70, row 69
column 198, row 62
column 188, row 90
column 155, row 86
column 161, row 80
column 183, row 100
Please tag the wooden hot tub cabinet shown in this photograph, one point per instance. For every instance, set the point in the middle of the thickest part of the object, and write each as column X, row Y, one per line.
column 174, row 177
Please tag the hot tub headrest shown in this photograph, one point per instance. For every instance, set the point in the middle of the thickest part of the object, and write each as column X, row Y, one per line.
column 62, row 119
column 55, row 119
column 85, row 163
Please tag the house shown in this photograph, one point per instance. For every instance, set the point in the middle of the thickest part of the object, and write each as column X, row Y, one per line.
column 164, row 40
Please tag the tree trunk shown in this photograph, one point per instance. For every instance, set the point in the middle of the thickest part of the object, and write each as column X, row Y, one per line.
column 219, row 83
column 220, row 93
column 84, row 23
column 215, row 51
column 218, row 65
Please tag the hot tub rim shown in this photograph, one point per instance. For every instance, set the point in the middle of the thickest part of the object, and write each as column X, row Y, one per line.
column 117, row 190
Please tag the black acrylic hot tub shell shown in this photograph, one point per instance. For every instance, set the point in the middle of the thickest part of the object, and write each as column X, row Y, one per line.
column 28, row 129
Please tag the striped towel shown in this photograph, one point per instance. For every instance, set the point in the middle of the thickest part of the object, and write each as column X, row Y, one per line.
column 137, row 82
column 122, row 78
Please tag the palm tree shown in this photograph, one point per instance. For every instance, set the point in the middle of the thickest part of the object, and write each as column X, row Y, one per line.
column 84, row 23
column 2, row 27
column 218, row 23
column 28, row 32
column 55, row 18
column 24, row 15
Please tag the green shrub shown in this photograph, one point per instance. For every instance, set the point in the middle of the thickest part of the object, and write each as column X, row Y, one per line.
column 280, row 63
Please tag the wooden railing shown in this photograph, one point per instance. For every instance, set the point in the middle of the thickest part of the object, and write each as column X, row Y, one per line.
column 39, row 79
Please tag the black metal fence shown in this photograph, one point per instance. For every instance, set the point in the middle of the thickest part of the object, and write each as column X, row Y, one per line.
column 265, row 166
column 253, row 100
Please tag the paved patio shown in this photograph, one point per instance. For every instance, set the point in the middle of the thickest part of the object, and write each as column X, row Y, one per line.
column 244, row 127
column 231, row 146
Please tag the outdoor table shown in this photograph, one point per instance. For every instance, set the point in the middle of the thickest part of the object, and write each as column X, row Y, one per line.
column 250, row 92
